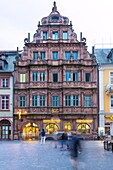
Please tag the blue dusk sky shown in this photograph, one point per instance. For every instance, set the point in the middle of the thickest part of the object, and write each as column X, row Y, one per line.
column 94, row 18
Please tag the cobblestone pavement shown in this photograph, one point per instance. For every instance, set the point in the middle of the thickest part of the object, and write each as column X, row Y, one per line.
column 94, row 157
column 31, row 155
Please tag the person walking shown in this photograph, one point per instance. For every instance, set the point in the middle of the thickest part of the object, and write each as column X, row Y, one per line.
column 64, row 139
column 43, row 136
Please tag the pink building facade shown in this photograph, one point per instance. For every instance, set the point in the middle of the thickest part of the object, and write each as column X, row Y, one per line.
column 55, row 85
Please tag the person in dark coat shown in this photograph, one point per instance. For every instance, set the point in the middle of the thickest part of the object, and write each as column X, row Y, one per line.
column 75, row 146
column 64, row 139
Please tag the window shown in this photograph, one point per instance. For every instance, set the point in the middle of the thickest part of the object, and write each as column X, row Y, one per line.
column 75, row 76
column 38, row 100
column 88, row 102
column 22, row 77
column 44, row 36
column 34, row 76
column 22, row 101
column 42, row 55
column 1, row 65
column 112, row 101
column 55, row 101
column 55, row 18
column 68, row 76
column 42, row 100
column 42, row 76
column 75, row 100
column 68, row 100
column 67, row 55
column 5, row 102
column 75, row 55
column 65, row 35
column 55, row 55
column 35, row 55
column 55, row 36
column 5, row 82
column 55, row 77
column 111, row 77
column 34, row 100
column 88, row 77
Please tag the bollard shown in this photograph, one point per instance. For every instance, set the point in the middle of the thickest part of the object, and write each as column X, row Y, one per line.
column 112, row 146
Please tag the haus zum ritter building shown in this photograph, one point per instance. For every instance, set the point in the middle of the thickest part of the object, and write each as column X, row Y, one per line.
column 55, row 85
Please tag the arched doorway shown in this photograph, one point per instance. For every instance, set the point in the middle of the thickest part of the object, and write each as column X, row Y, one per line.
column 30, row 131
column 5, row 129
column 83, row 128
column 52, row 127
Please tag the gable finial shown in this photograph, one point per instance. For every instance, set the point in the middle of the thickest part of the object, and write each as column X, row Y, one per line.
column 54, row 7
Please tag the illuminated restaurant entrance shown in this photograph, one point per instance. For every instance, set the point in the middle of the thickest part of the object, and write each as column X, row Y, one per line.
column 83, row 128
column 52, row 127
column 30, row 131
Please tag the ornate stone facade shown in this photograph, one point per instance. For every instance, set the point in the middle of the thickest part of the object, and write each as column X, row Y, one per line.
column 55, row 81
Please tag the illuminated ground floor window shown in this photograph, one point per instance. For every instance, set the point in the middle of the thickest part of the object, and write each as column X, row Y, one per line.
column 67, row 126
column 52, row 127
column 83, row 128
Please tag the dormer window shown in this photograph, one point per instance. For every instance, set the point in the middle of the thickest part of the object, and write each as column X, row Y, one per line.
column 55, row 18
column 1, row 65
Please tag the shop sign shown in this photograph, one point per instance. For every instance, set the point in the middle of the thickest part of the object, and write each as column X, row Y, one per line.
column 55, row 110
column 84, row 121
column 108, row 118
column 51, row 121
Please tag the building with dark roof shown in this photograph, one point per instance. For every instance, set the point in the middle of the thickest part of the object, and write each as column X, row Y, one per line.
column 6, row 94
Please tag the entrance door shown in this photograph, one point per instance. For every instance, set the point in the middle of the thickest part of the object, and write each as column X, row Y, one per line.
column 30, row 132
column 83, row 128
column 4, row 129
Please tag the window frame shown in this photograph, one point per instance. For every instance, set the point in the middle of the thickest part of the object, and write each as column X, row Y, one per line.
column 54, row 55
column 75, row 76
column 53, row 77
column 75, row 57
column 6, row 82
column 67, row 100
column 55, row 35
column 68, row 77
column 55, row 101
column 63, row 35
column 5, row 101
column 89, row 76
column 67, row 55
column 44, row 35
column 88, row 101
column 35, row 55
column 22, row 77
column 22, row 101
column 34, row 76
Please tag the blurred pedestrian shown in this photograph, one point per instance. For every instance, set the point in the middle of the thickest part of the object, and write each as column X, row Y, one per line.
column 75, row 146
column 43, row 136
column 64, row 139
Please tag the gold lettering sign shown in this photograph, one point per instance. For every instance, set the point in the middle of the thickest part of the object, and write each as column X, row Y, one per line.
column 55, row 110
column 109, row 117
column 51, row 121
column 84, row 121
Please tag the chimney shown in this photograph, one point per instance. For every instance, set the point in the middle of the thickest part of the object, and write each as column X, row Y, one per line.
column 80, row 36
column 93, row 50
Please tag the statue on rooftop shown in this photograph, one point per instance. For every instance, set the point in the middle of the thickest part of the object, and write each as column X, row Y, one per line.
column 54, row 7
